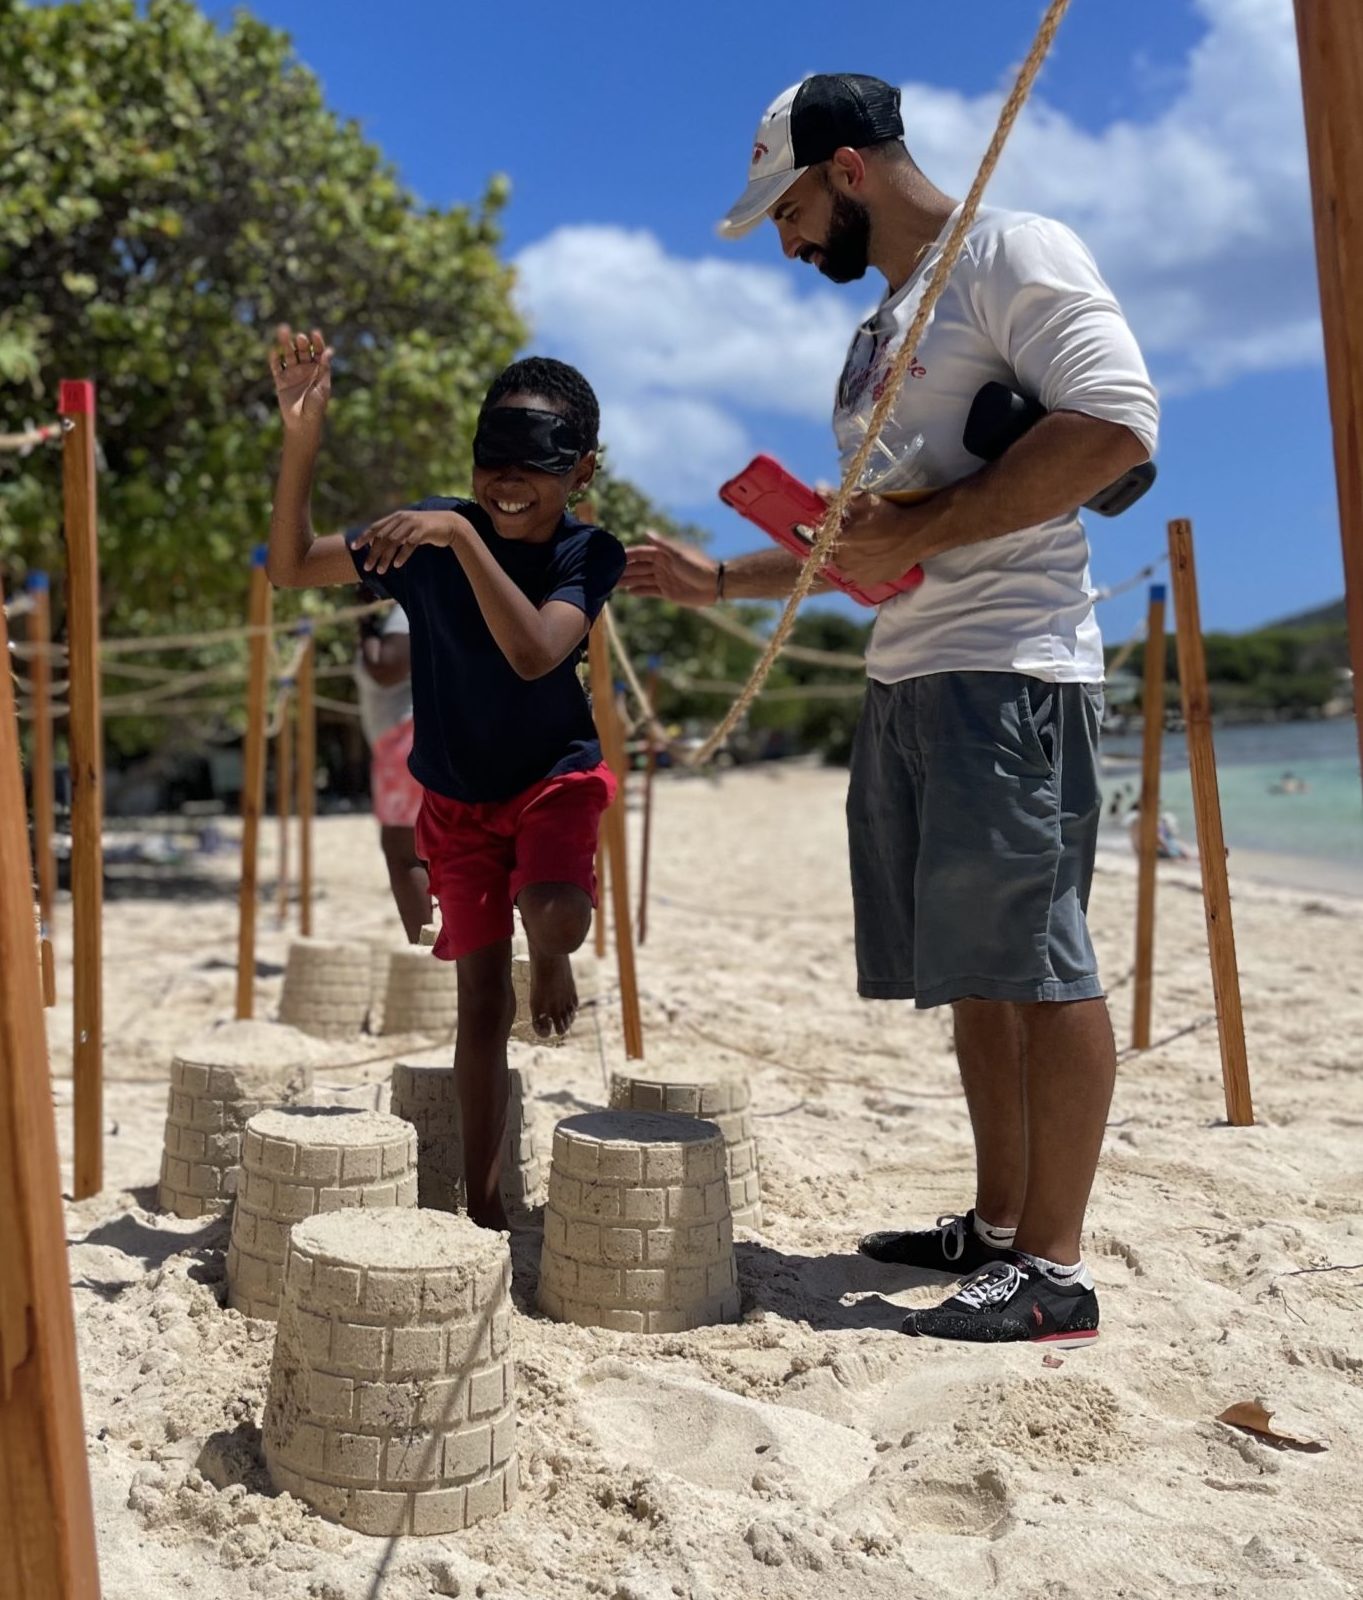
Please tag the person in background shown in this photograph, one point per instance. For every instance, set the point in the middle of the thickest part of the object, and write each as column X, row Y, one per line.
column 383, row 677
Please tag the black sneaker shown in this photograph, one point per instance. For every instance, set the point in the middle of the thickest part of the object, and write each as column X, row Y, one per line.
column 1011, row 1300
column 952, row 1246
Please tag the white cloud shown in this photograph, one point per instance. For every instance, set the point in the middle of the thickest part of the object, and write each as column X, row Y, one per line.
column 1199, row 216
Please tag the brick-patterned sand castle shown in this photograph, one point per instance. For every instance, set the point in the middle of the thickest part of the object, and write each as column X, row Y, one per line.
column 637, row 1231
column 218, row 1082
column 724, row 1099
column 327, row 985
column 306, row 1161
column 423, row 1092
column 391, row 1403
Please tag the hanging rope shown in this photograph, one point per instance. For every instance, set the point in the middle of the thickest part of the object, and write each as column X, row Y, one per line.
column 826, row 540
column 287, row 678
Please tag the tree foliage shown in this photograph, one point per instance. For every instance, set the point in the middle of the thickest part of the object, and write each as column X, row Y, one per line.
column 170, row 190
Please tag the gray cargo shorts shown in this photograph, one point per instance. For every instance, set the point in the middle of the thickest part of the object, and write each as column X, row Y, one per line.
column 972, row 817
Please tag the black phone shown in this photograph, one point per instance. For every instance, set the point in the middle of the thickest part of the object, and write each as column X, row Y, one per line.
column 999, row 416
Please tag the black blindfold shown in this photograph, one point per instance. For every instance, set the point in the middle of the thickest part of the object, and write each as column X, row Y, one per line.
column 516, row 436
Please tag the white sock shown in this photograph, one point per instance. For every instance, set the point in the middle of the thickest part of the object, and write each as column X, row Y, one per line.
column 1067, row 1277
column 1000, row 1238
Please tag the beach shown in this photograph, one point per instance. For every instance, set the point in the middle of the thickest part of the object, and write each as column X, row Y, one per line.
column 811, row 1448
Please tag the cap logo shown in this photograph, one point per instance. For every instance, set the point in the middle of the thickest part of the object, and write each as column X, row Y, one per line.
column 758, row 151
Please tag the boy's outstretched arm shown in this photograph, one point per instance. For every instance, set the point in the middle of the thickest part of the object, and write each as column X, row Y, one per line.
column 301, row 367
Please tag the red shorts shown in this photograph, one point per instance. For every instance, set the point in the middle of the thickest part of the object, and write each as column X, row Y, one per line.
column 481, row 856
column 395, row 792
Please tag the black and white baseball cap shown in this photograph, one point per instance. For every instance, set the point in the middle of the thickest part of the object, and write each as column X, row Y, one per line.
column 804, row 126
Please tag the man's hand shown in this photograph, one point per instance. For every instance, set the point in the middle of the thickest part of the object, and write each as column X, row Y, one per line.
column 301, row 367
column 666, row 570
column 880, row 540
column 392, row 539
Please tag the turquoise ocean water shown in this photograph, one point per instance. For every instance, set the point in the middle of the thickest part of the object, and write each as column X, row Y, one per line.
column 1322, row 825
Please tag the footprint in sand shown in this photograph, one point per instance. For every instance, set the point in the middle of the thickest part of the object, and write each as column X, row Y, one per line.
column 717, row 1440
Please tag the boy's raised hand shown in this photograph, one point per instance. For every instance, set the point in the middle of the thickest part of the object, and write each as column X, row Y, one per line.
column 300, row 364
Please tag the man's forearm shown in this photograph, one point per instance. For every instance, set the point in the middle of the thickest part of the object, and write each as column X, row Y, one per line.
column 765, row 575
column 1058, row 465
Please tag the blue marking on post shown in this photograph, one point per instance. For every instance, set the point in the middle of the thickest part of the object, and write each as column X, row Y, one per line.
column 37, row 583
column 1158, row 591
column 259, row 555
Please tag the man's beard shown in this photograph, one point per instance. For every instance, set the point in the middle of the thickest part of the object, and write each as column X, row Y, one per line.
column 846, row 253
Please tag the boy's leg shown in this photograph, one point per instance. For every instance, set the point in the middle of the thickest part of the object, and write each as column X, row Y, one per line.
column 554, row 885
column 407, row 877
column 487, row 1008
column 557, row 917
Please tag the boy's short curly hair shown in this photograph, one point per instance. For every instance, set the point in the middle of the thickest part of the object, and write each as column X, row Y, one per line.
column 556, row 381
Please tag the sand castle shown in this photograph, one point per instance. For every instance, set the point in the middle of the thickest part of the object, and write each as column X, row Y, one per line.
column 637, row 1232
column 391, row 1404
column 217, row 1084
column 724, row 1099
column 423, row 1093
column 326, row 987
column 306, row 1161
column 421, row 994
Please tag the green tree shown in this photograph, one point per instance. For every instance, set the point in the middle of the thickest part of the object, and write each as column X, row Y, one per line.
column 169, row 190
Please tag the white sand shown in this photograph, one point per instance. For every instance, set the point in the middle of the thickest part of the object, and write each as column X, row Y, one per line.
column 811, row 1450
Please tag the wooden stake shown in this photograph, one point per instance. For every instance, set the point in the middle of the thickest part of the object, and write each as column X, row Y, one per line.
column 1149, row 819
column 47, row 1531
column 283, row 784
column 1211, row 841
column 307, row 778
column 650, row 768
column 85, row 734
column 44, row 797
column 1330, row 40
column 252, row 779
column 613, row 826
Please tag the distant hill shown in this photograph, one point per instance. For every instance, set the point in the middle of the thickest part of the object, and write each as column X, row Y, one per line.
column 1333, row 615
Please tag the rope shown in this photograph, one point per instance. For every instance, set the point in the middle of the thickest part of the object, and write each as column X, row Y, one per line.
column 798, row 691
column 286, row 682
column 636, row 688
column 1111, row 591
column 22, row 443
column 343, row 708
column 826, row 541
column 796, row 652
column 189, row 641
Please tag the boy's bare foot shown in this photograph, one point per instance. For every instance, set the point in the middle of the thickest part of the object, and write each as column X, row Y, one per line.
column 553, row 994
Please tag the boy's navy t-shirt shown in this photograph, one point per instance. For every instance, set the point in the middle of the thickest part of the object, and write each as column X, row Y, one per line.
column 480, row 731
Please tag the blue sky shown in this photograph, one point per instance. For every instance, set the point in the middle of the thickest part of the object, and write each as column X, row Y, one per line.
column 1169, row 133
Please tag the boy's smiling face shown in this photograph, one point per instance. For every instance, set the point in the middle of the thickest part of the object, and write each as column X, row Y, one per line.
column 526, row 503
